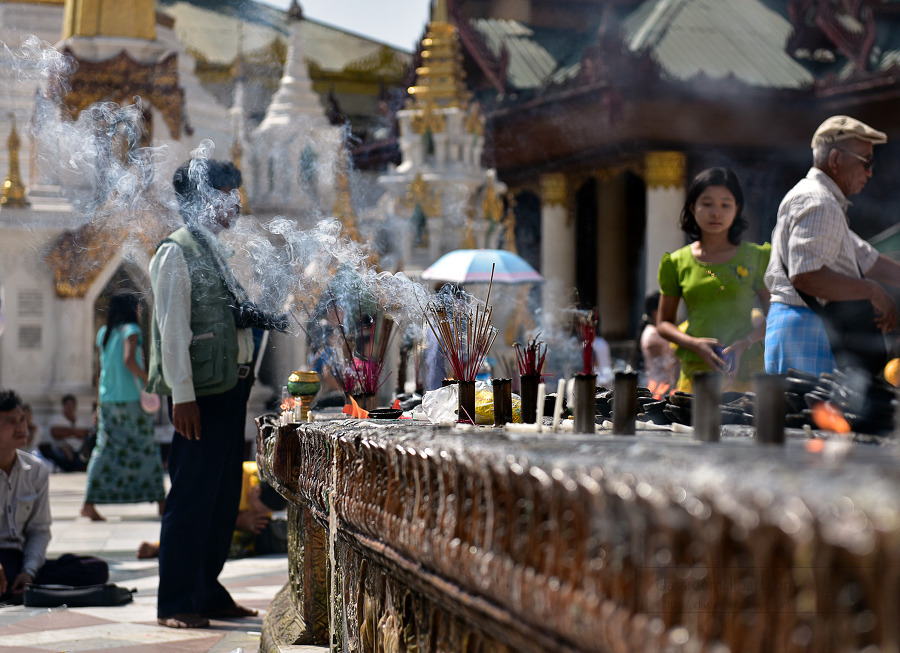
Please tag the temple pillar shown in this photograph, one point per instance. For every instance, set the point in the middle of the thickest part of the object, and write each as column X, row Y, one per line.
column 664, row 176
column 557, row 246
column 612, row 249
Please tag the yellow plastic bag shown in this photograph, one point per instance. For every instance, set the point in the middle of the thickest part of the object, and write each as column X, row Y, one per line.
column 484, row 404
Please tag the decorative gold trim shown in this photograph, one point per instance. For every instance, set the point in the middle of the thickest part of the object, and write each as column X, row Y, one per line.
column 420, row 192
column 664, row 169
column 430, row 119
column 385, row 61
column 78, row 257
column 475, row 120
column 134, row 19
column 121, row 78
column 554, row 189
column 13, row 193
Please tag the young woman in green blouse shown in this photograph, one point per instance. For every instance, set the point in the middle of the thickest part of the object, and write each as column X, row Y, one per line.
column 720, row 279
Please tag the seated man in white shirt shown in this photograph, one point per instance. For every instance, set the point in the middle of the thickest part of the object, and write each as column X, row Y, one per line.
column 25, row 521
column 67, row 436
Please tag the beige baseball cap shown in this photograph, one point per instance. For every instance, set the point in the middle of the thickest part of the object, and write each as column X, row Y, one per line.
column 843, row 128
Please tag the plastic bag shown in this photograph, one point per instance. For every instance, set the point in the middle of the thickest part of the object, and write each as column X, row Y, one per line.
column 484, row 404
column 442, row 405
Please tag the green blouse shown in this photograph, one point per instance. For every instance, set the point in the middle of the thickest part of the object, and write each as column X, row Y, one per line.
column 719, row 298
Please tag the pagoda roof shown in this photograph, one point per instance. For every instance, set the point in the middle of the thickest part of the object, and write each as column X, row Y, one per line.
column 216, row 31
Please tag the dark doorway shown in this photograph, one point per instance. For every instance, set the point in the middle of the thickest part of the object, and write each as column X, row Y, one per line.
column 586, row 244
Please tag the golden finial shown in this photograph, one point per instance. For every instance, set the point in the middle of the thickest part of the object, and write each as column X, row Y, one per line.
column 441, row 77
column 492, row 202
column 13, row 194
column 441, row 15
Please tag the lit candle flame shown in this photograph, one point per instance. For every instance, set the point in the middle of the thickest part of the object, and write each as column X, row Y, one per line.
column 828, row 418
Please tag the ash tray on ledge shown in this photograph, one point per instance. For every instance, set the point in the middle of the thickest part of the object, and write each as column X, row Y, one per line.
column 385, row 413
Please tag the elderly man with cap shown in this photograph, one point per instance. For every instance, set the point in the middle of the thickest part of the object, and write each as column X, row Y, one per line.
column 814, row 251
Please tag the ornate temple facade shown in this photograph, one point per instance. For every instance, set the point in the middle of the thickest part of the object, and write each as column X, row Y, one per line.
column 81, row 213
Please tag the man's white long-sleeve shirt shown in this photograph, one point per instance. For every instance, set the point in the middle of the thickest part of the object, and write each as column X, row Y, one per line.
column 171, row 283
column 25, row 522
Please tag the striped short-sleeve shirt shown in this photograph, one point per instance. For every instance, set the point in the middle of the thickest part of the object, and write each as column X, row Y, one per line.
column 812, row 232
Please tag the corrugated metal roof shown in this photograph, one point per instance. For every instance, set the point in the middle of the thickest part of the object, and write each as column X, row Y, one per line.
column 716, row 38
column 534, row 53
column 211, row 28
column 740, row 38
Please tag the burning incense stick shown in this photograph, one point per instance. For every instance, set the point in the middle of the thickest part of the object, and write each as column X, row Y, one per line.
column 530, row 358
column 465, row 336
column 365, row 352
column 586, row 328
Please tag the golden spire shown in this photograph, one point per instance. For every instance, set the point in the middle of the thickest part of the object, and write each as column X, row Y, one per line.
column 343, row 203
column 441, row 78
column 13, row 194
column 134, row 19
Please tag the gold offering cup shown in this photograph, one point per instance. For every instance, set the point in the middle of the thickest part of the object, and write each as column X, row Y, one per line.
column 304, row 385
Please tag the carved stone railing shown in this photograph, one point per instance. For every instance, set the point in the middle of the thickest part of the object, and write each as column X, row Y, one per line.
column 416, row 538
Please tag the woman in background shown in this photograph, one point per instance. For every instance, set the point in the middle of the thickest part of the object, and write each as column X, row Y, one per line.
column 720, row 279
column 653, row 354
column 125, row 465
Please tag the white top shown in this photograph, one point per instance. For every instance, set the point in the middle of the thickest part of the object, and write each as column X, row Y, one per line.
column 25, row 518
column 59, row 419
column 171, row 283
column 812, row 232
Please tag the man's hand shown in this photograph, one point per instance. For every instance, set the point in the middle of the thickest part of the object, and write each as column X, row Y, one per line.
column 186, row 419
column 251, row 521
column 885, row 308
column 18, row 586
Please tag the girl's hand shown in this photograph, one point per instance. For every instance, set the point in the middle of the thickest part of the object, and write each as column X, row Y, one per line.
column 705, row 348
column 737, row 349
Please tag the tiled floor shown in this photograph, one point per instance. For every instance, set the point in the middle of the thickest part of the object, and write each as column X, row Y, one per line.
column 253, row 582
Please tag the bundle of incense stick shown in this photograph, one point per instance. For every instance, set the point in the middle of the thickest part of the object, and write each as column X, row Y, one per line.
column 531, row 357
column 586, row 327
column 362, row 374
column 465, row 336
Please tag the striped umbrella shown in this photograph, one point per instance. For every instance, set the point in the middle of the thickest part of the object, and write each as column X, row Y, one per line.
column 474, row 266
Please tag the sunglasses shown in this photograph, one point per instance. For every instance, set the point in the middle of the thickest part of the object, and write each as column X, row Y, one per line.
column 868, row 164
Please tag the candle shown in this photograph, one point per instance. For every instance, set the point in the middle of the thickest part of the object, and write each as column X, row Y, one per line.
column 541, row 396
column 557, row 405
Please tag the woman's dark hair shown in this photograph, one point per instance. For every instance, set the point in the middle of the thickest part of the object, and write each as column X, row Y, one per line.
column 714, row 177
column 123, row 309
